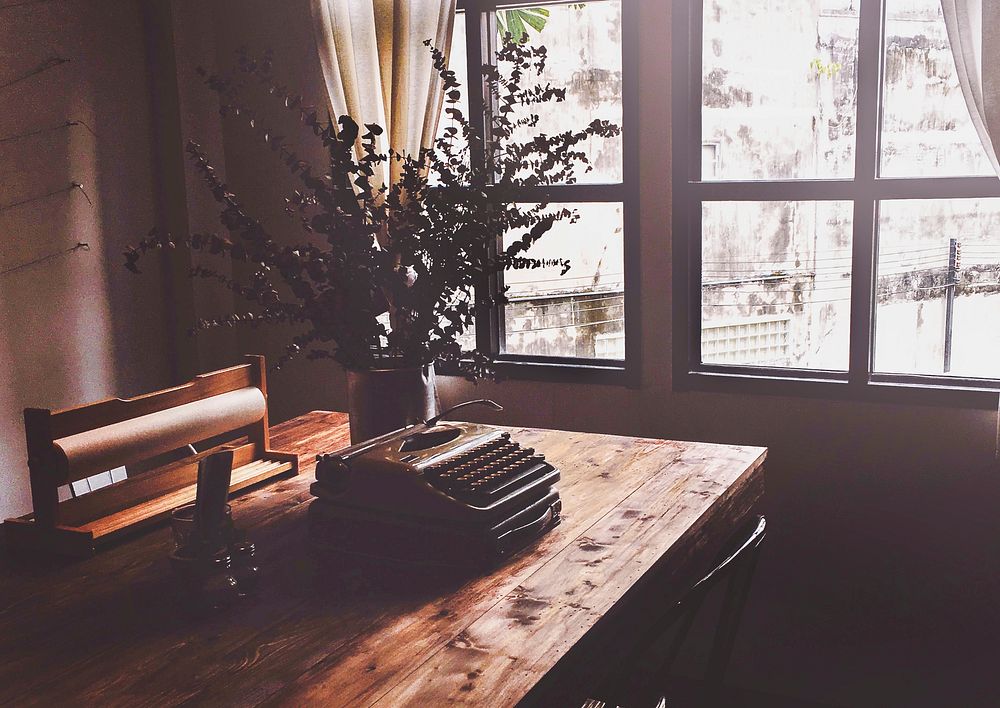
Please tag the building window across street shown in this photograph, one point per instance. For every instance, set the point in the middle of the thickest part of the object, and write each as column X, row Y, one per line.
column 828, row 177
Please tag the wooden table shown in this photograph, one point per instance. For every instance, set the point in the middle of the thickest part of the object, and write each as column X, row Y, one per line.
column 640, row 518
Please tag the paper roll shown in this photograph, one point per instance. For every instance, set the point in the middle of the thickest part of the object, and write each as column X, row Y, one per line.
column 141, row 438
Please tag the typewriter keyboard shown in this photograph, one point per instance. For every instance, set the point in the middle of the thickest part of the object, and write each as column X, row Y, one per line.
column 488, row 472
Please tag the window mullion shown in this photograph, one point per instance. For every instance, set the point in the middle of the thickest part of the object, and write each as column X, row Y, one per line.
column 936, row 187
column 775, row 190
column 479, row 25
column 866, row 155
column 695, row 40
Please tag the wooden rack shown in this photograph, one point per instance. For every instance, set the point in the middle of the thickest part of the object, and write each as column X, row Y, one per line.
column 75, row 443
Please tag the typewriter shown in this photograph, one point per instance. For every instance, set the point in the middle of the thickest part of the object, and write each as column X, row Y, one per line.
column 458, row 494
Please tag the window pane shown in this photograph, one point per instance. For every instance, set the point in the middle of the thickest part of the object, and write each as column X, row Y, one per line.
column 926, row 129
column 467, row 341
column 579, row 314
column 584, row 56
column 917, row 278
column 779, row 92
column 776, row 284
column 459, row 63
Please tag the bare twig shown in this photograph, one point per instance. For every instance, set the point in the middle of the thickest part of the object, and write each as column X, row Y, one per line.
column 29, row 200
column 81, row 246
column 24, row 3
column 47, row 129
column 49, row 63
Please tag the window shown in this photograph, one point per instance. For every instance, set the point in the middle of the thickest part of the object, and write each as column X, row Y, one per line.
column 574, row 321
column 836, row 219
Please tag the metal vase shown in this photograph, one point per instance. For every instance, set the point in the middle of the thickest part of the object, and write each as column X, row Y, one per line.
column 382, row 400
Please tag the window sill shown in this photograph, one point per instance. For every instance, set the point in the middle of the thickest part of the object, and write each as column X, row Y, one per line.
column 511, row 368
column 899, row 390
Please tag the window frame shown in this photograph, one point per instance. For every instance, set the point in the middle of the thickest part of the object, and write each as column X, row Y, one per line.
column 481, row 35
column 866, row 190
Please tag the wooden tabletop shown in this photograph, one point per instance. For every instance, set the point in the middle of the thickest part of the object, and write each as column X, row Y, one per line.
column 106, row 631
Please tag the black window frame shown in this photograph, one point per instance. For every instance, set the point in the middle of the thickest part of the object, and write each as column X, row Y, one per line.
column 865, row 190
column 481, row 33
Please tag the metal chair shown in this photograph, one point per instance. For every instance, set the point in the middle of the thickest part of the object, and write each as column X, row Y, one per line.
column 592, row 703
column 648, row 685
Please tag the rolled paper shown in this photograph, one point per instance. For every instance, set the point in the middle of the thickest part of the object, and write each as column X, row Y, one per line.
column 146, row 436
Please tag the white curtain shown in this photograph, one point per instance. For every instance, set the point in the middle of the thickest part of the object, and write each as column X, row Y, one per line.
column 377, row 69
column 974, row 33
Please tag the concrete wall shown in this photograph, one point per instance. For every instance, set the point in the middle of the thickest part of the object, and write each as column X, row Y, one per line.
column 74, row 329
column 262, row 182
column 780, row 98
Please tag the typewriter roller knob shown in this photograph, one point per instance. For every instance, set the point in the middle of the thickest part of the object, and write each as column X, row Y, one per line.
column 333, row 471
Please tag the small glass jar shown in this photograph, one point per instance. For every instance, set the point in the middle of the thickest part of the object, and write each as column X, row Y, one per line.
column 182, row 524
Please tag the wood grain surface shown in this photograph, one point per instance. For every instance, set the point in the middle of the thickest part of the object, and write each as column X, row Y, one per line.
column 639, row 515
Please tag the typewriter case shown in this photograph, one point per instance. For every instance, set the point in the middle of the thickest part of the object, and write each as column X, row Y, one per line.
column 457, row 494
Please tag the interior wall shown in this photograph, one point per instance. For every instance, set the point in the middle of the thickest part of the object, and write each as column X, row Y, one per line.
column 262, row 183
column 876, row 582
column 75, row 327
column 184, row 39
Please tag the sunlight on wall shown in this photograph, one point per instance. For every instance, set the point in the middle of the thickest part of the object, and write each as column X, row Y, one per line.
column 68, row 328
column 89, row 351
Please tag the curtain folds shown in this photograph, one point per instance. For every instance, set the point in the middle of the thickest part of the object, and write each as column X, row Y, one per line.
column 377, row 69
column 974, row 33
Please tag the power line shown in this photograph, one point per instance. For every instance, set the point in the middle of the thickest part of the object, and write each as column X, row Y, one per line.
column 583, row 309
column 40, row 131
column 849, row 251
column 823, row 270
column 883, row 255
column 964, row 286
column 845, row 286
column 23, row 3
column 824, row 258
column 782, row 260
column 775, row 304
column 557, row 295
column 806, row 268
column 586, row 301
column 819, row 254
column 894, row 256
column 878, row 295
column 564, row 278
column 943, row 247
column 552, row 293
column 561, row 314
column 585, row 324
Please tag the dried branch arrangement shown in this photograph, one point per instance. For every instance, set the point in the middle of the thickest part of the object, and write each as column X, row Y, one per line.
column 385, row 275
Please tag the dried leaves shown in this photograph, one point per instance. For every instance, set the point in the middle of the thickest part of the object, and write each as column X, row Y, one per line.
column 416, row 249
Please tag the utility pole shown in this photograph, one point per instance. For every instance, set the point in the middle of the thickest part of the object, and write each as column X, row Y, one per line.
column 954, row 268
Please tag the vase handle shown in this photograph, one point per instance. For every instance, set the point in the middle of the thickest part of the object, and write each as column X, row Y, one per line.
column 478, row 402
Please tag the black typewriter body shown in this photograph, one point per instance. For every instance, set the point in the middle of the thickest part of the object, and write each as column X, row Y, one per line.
column 452, row 493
